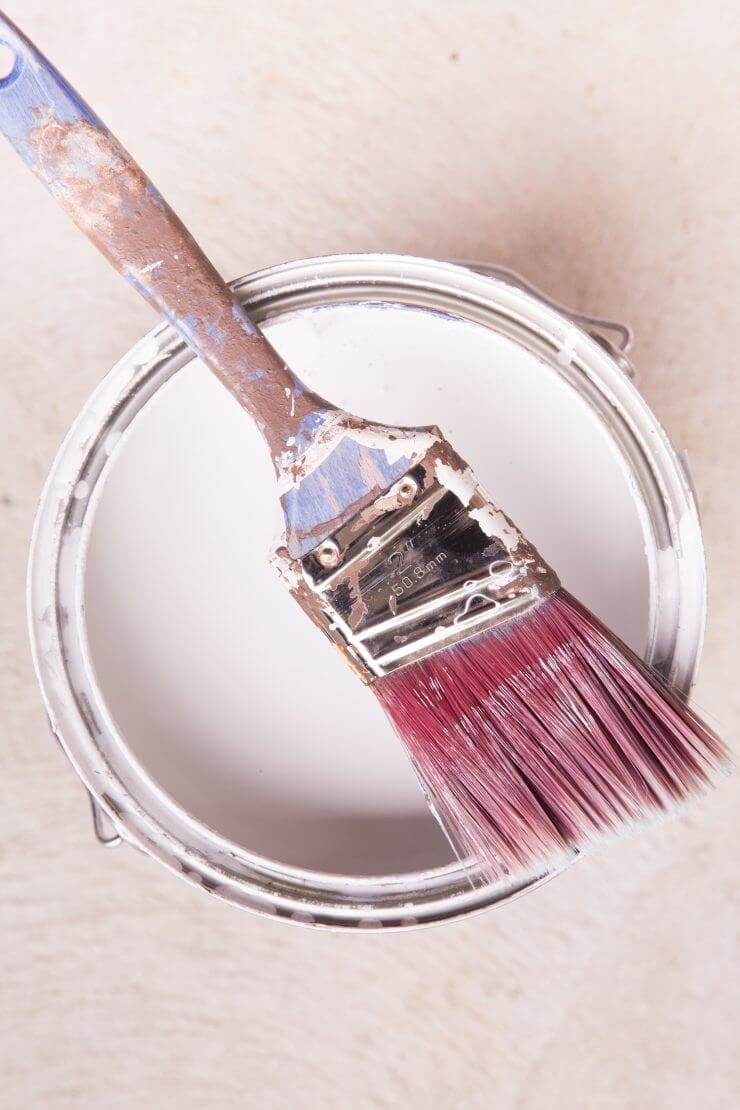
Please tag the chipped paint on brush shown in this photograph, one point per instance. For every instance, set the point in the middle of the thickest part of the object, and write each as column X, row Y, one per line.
column 346, row 468
column 351, row 463
column 113, row 202
column 127, row 219
column 330, row 465
column 334, row 469
column 461, row 481
column 416, row 577
column 336, row 488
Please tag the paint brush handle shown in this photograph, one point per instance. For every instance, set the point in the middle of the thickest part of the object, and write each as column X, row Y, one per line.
column 115, row 204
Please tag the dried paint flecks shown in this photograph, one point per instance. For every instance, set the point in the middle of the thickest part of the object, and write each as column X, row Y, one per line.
column 114, row 203
column 513, row 574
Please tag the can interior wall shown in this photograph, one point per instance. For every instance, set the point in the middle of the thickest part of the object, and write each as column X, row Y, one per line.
column 76, row 648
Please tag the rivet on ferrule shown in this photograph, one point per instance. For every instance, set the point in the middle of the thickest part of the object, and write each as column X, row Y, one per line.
column 405, row 490
column 328, row 554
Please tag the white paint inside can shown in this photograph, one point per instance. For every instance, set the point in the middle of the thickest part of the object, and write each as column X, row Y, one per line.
column 222, row 689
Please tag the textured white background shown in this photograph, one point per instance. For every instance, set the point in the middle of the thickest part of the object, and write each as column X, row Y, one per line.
column 592, row 146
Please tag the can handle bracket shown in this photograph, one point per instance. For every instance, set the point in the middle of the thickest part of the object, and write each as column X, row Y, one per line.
column 623, row 335
column 106, row 832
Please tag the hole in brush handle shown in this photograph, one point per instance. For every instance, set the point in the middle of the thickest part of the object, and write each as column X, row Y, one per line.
column 10, row 64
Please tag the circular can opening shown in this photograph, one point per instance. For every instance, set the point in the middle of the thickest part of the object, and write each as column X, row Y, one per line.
column 205, row 715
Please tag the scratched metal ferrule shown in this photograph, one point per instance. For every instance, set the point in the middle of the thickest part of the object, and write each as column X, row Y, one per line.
column 414, row 575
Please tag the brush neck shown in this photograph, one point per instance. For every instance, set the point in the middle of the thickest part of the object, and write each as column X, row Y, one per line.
column 115, row 204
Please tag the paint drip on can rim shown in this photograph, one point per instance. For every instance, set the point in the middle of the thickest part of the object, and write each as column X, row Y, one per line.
column 212, row 726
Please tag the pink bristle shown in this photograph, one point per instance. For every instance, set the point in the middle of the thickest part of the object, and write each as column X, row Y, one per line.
column 542, row 735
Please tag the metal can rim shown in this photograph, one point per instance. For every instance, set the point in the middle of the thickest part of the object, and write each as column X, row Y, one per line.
column 191, row 849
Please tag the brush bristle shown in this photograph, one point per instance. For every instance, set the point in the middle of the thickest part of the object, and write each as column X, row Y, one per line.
column 540, row 736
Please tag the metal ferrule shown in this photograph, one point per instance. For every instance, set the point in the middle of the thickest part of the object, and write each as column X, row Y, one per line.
column 422, row 567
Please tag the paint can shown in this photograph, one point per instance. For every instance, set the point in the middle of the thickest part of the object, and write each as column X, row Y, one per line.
column 210, row 723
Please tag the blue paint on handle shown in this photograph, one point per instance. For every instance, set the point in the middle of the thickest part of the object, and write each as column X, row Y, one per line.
column 335, row 490
column 71, row 151
column 32, row 93
column 308, row 427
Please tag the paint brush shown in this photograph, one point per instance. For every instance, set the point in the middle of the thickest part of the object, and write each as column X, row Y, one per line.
column 532, row 728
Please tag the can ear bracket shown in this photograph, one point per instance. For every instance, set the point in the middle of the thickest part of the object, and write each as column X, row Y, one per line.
column 105, row 831
column 615, row 338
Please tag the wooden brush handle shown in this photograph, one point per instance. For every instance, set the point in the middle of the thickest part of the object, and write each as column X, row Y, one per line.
column 115, row 204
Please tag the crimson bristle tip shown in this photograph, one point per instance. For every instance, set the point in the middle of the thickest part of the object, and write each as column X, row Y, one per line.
column 537, row 738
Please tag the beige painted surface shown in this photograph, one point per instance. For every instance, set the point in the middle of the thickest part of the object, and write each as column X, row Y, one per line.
column 592, row 146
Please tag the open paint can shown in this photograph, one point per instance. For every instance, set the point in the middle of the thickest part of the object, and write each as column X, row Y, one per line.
column 211, row 724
